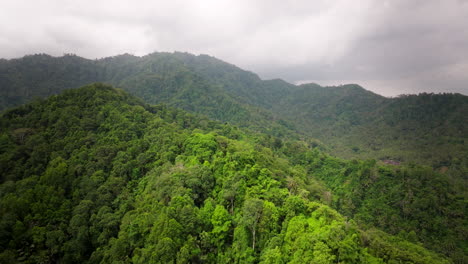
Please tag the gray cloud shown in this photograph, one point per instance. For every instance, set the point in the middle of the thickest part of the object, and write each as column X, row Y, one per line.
column 390, row 47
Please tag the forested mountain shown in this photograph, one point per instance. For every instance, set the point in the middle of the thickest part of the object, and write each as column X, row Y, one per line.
column 352, row 122
column 95, row 175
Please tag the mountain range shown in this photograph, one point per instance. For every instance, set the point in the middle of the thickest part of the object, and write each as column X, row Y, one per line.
column 194, row 160
column 349, row 120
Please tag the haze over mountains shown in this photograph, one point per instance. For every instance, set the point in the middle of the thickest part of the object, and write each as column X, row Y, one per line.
column 350, row 121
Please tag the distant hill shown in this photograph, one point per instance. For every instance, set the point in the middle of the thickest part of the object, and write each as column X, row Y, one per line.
column 349, row 120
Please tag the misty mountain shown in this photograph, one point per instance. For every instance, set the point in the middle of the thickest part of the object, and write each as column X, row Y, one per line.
column 349, row 120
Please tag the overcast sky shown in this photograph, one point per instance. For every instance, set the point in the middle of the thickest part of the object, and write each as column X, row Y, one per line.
column 389, row 47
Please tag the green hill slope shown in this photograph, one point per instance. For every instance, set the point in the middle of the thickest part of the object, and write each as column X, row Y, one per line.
column 95, row 175
column 350, row 121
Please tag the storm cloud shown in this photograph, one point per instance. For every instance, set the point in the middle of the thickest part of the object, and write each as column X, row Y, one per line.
column 389, row 47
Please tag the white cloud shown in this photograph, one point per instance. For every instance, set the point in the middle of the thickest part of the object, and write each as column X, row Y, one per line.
column 267, row 32
column 325, row 40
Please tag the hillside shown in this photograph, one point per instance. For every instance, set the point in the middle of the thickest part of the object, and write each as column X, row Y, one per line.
column 97, row 176
column 94, row 175
column 350, row 121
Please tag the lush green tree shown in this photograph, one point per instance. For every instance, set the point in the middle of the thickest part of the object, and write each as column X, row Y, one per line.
column 152, row 184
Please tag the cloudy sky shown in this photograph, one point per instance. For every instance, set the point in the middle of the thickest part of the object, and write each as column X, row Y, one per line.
column 389, row 47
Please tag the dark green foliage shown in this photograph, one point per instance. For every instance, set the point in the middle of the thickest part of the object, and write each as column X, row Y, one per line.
column 352, row 122
column 413, row 202
column 96, row 176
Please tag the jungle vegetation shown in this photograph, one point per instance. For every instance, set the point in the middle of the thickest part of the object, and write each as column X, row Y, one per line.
column 96, row 175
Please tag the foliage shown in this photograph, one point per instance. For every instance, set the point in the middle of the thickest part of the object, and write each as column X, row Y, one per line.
column 413, row 202
column 351, row 122
column 96, row 176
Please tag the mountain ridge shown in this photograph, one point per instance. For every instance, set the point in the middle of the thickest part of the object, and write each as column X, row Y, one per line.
column 351, row 121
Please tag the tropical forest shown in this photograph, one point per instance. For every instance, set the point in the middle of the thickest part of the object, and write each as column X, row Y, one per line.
column 181, row 158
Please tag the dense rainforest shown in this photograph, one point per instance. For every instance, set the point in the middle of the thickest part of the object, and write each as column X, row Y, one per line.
column 96, row 175
column 348, row 120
